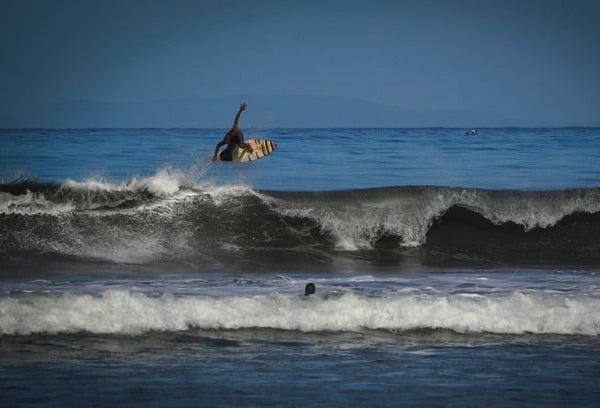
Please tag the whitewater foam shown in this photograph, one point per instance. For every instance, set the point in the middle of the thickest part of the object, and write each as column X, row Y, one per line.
column 220, row 195
column 32, row 204
column 164, row 182
column 126, row 312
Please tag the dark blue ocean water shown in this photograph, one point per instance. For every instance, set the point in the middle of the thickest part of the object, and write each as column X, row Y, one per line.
column 450, row 269
column 318, row 159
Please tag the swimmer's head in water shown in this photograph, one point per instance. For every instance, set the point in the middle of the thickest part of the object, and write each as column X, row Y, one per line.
column 309, row 289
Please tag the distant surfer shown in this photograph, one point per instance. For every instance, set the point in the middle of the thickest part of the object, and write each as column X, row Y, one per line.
column 309, row 289
column 233, row 138
column 472, row 132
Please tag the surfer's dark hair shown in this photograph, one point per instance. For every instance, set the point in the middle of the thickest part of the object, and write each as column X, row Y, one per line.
column 309, row 289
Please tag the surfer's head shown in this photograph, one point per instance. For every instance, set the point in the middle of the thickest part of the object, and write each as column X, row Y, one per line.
column 309, row 289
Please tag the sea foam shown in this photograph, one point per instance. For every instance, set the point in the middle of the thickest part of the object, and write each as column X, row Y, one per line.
column 132, row 313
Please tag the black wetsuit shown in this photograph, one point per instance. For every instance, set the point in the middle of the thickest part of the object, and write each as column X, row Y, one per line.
column 237, row 139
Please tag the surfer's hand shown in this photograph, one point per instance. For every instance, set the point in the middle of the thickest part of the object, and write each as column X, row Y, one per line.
column 243, row 106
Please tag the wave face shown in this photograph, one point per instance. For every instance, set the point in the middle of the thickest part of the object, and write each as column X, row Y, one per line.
column 164, row 217
column 131, row 313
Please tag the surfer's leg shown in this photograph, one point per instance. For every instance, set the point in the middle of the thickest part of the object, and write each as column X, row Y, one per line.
column 246, row 146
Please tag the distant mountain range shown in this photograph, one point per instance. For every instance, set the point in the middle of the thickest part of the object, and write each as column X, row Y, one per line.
column 263, row 112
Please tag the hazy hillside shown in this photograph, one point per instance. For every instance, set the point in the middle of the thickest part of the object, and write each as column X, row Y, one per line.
column 263, row 112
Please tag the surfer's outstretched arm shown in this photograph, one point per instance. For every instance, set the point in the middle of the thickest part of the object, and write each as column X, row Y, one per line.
column 237, row 116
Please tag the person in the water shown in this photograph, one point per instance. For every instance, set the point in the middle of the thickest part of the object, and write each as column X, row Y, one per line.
column 309, row 289
column 233, row 138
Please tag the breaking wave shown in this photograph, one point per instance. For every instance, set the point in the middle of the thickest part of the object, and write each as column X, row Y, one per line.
column 130, row 313
column 167, row 217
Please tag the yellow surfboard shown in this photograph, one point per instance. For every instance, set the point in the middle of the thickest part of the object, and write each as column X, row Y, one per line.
column 260, row 149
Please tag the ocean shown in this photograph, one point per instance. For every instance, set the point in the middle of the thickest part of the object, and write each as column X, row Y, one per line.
column 450, row 270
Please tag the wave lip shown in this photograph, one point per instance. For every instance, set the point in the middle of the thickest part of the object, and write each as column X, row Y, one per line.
column 130, row 313
column 31, row 198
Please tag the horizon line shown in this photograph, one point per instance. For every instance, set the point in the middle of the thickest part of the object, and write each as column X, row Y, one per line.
column 299, row 127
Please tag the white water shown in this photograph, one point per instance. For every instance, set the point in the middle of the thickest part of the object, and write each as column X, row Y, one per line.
column 131, row 313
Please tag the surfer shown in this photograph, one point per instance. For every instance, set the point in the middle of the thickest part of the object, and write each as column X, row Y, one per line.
column 233, row 138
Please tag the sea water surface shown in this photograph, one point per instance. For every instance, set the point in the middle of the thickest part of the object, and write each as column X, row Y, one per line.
column 450, row 269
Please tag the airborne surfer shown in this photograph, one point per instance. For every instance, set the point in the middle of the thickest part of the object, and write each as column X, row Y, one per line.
column 233, row 138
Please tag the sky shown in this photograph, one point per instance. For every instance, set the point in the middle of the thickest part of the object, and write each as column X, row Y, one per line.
column 534, row 62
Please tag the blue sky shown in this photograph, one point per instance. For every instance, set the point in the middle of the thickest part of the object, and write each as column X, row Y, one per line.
column 534, row 61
